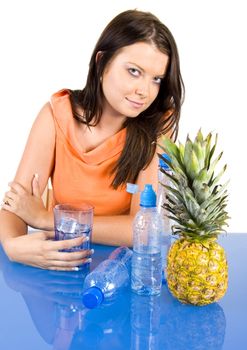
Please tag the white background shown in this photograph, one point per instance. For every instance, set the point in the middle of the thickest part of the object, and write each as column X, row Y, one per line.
column 46, row 45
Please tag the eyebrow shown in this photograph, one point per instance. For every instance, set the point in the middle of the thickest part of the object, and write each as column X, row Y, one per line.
column 139, row 67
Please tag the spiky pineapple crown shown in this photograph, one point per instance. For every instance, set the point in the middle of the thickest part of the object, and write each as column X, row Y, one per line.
column 196, row 201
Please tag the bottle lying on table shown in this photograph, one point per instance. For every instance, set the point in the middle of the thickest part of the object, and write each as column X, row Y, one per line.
column 108, row 278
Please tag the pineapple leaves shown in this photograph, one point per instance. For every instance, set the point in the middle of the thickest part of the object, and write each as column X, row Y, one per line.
column 196, row 200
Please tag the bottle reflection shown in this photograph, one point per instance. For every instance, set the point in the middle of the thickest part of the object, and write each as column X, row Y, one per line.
column 106, row 326
column 54, row 301
column 145, row 322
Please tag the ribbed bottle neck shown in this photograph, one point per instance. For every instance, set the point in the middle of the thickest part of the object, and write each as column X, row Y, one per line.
column 143, row 208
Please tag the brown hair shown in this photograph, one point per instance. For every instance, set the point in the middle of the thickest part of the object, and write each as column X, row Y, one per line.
column 160, row 117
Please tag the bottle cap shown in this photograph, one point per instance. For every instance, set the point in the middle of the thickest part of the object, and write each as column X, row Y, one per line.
column 163, row 164
column 92, row 297
column 131, row 188
column 148, row 197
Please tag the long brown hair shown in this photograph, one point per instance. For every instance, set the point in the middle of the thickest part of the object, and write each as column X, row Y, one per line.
column 160, row 117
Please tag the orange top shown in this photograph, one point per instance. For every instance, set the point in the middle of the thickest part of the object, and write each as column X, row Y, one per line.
column 85, row 177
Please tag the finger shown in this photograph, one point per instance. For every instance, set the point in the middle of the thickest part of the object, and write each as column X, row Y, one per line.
column 70, row 243
column 5, row 205
column 58, row 265
column 63, row 244
column 78, row 255
column 77, row 265
column 9, row 195
column 8, row 201
column 35, row 186
column 66, row 259
column 53, row 248
column 69, row 264
column 43, row 235
column 68, row 269
column 17, row 188
column 47, row 234
column 67, row 256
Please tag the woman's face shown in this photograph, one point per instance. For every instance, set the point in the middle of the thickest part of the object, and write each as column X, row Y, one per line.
column 131, row 80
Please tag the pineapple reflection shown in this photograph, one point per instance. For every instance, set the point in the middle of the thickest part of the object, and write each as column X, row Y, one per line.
column 145, row 322
column 185, row 326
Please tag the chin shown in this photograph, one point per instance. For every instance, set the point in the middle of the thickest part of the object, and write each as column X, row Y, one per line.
column 133, row 114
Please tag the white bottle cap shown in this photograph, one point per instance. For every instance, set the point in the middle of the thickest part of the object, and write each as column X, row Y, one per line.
column 132, row 188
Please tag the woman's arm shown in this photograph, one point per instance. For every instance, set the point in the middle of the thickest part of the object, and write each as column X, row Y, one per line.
column 28, row 206
column 112, row 230
column 37, row 249
column 117, row 230
column 37, row 158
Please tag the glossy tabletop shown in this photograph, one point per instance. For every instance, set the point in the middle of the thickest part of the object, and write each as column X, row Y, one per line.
column 42, row 310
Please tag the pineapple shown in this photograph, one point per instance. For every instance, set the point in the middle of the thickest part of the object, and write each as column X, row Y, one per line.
column 197, row 271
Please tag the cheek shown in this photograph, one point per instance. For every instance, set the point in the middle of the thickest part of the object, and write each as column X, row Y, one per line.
column 111, row 84
column 154, row 91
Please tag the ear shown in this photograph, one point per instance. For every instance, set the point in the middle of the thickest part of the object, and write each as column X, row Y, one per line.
column 98, row 56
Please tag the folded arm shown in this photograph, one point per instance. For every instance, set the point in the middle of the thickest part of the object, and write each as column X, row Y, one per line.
column 36, row 249
column 24, row 206
column 112, row 230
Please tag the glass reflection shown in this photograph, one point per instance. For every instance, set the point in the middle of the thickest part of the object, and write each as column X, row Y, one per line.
column 131, row 322
column 54, row 301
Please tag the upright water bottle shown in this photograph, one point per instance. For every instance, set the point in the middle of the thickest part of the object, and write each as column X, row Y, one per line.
column 163, row 179
column 108, row 278
column 146, row 261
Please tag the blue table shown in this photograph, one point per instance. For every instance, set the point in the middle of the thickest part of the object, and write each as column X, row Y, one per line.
column 41, row 310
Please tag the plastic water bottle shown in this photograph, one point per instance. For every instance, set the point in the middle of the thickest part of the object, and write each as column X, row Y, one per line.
column 163, row 179
column 108, row 278
column 146, row 261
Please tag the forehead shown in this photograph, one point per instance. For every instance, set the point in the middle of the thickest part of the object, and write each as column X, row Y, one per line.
column 145, row 55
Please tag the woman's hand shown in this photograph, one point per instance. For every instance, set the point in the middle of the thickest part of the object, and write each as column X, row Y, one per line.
column 39, row 250
column 28, row 206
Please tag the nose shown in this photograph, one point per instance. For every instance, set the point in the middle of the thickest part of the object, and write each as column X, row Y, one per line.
column 142, row 88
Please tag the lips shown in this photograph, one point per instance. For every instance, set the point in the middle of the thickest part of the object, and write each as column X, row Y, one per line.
column 135, row 104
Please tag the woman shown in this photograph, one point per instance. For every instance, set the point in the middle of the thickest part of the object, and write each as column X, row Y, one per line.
column 92, row 142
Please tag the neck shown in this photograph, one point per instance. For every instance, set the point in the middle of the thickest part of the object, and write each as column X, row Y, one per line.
column 111, row 119
column 110, row 123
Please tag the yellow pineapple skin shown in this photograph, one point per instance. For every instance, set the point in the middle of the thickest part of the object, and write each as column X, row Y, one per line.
column 197, row 272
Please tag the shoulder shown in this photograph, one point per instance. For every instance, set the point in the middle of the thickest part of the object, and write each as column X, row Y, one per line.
column 44, row 122
column 62, row 113
column 59, row 96
column 45, row 115
column 61, row 106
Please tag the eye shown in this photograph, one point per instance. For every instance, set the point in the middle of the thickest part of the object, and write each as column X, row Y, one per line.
column 135, row 72
column 157, row 80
